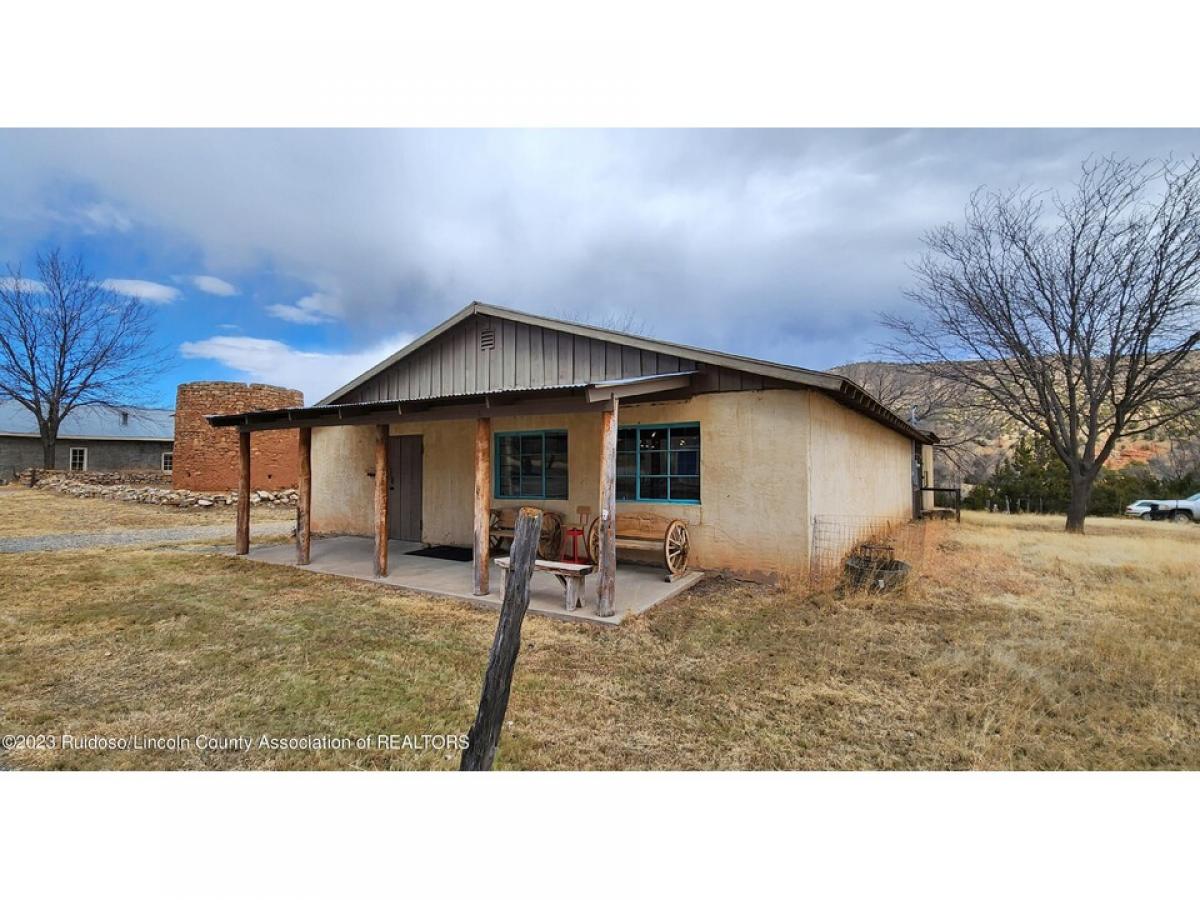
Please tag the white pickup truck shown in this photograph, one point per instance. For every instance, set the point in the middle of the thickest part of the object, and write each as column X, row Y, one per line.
column 1176, row 510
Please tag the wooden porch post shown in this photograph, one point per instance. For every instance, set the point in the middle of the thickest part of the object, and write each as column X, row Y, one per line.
column 243, row 507
column 381, row 500
column 304, row 498
column 606, row 594
column 483, row 505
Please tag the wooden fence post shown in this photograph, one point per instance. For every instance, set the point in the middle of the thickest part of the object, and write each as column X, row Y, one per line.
column 484, row 736
column 242, row 527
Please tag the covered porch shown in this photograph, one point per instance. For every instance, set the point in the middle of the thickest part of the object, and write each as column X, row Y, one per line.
column 637, row 588
column 378, row 552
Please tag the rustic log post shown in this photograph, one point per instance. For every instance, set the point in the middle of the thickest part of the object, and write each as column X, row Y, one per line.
column 381, row 500
column 483, row 505
column 484, row 736
column 304, row 498
column 243, row 507
column 606, row 592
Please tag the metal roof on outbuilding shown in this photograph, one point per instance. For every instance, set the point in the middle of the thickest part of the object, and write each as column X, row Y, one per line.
column 102, row 423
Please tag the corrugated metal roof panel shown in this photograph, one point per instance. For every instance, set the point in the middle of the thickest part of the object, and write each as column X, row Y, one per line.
column 95, row 422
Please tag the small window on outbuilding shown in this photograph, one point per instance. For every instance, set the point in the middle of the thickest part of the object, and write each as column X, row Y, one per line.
column 79, row 459
column 124, row 418
column 168, row 461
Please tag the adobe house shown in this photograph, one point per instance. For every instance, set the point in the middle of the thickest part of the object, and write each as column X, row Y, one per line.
column 688, row 457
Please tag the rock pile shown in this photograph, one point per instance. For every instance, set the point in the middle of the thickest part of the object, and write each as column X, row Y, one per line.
column 85, row 486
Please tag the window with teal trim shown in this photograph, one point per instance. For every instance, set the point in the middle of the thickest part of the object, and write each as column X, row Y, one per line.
column 659, row 463
column 531, row 465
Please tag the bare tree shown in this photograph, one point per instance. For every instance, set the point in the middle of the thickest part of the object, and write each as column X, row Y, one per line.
column 1072, row 314
column 67, row 342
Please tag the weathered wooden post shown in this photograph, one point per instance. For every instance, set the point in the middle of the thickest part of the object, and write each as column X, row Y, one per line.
column 607, row 588
column 243, row 504
column 484, row 736
column 381, row 500
column 483, row 507
column 304, row 498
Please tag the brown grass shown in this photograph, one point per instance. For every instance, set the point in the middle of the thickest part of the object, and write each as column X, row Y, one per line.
column 26, row 512
column 1021, row 647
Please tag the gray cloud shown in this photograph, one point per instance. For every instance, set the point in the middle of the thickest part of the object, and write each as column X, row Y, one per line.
column 779, row 243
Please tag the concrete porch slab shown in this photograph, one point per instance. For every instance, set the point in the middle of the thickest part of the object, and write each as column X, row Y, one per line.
column 638, row 587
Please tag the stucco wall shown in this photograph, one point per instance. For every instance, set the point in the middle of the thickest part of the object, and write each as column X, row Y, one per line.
column 342, row 491
column 857, row 466
column 756, row 468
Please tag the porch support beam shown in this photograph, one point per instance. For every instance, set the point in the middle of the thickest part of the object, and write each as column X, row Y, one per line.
column 304, row 498
column 381, row 500
column 483, row 505
column 606, row 593
column 243, row 506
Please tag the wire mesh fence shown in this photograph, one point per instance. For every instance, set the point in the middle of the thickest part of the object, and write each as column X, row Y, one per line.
column 839, row 543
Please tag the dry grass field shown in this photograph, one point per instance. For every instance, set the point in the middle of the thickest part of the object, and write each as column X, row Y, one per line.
column 25, row 513
column 1019, row 647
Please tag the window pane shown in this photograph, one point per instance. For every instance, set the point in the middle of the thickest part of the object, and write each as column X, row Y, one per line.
column 531, row 445
column 626, row 464
column 531, row 465
column 685, row 462
column 626, row 488
column 626, row 439
column 556, row 485
column 531, row 485
column 510, row 480
column 654, row 439
column 654, row 464
column 686, row 437
column 654, row 488
column 685, row 489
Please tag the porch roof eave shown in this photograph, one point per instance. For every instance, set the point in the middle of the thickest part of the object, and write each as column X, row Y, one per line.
column 520, row 401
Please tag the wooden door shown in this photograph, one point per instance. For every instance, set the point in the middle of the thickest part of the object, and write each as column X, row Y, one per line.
column 404, row 488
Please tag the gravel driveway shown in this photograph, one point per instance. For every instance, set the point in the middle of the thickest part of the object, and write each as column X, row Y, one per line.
column 73, row 541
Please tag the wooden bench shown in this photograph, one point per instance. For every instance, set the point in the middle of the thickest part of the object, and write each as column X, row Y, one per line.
column 500, row 529
column 648, row 533
column 570, row 575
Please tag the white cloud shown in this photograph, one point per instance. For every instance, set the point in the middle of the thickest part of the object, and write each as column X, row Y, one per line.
column 210, row 284
column 104, row 217
column 149, row 291
column 311, row 310
column 28, row 285
column 314, row 373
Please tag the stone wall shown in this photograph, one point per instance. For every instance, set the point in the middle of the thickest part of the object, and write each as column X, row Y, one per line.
column 85, row 485
column 160, row 479
column 206, row 458
column 18, row 452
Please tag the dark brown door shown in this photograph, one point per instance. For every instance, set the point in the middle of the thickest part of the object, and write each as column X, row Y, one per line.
column 404, row 488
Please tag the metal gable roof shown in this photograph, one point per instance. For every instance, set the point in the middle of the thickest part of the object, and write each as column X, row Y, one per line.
column 842, row 389
column 96, row 422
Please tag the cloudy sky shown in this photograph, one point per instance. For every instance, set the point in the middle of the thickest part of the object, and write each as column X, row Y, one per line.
column 302, row 258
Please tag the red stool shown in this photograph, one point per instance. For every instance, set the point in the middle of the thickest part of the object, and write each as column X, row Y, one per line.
column 575, row 533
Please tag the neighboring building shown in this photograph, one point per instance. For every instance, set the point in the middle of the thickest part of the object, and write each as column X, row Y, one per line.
column 90, row 438
column 745, row 452
column 206, row 458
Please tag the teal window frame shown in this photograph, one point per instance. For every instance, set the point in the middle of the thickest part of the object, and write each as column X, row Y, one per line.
column 541, row 433
column 637, row 474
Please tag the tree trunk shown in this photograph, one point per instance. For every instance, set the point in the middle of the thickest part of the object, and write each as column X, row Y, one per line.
column 1077, row 507
column 48, row 453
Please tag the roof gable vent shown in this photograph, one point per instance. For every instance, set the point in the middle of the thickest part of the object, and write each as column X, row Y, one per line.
column 487, row 339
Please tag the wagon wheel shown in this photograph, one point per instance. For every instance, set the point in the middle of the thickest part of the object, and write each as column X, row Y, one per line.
column 676, row 545
column 550, row 544
column 494, row 540
column 593, row 541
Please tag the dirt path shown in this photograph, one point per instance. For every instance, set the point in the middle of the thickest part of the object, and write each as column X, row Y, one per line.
column 73, row 541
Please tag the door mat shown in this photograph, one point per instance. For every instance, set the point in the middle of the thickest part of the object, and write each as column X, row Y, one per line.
column 442, row 551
